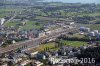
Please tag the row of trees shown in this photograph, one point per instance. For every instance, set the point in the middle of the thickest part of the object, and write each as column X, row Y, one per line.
column 86, row 39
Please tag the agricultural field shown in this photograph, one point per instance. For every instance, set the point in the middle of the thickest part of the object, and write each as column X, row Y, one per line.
column 8, row 24
column 8, row 11
column 29, row 25
column 81, row 15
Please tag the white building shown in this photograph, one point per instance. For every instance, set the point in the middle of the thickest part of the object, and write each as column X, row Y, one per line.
column 92, row 33
column 96, row 32
column 2, row 20
column 37, row 63
column 87, row 29
column 72, row 23
column 34, row 53
column 25, row 62
column 42, row 34
column 84, row 29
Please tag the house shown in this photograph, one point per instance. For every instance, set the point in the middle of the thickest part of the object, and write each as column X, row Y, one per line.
column 34, row 33
column 96, row 32
column 37, row 63
column 25, row 62
column 91, row 33
column 40, row 56
column 98, row 36
column 11, row 36
column 1, row 42
column 2, row 20
column 4, row 64
column 16, row 60
column 13, row 41
column 2, row 27
column 41, row 34
column 84, row 29
column 23, row 34
column 70, row 23
column 34, row 53
column 81, row 33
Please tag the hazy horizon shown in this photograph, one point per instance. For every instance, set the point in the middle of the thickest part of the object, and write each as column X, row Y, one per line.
column 75, row 1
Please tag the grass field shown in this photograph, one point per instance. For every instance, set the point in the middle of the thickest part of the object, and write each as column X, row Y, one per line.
column 44, row 18
column 74, row 43
column 48, row 45
column 95, row 27
column 51, row 46
column 11, row 24
column 8, row 11
column 43, row 46
column 29, row 25
column 82, row 14
column 92, row 26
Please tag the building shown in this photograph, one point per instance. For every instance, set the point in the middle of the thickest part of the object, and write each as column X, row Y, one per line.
column 98, row 36
column 84, row 29
column 34, row 53
column 25, row 62
column 2, row 20
column 96, row 32
column 40, row 56
column 37, row 63
column 4, row 64
column 92, row 33
column 41, row 34
column 1, row 42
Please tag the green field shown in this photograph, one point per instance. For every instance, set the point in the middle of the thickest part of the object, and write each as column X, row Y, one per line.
column 48, row 45
column 82, row 14
column 92, row 26
column 74, row 43
column 8, row 24
column 95, row 27
column 29, row 25
column 51, row 46
column 8, row 11
column 44, row 46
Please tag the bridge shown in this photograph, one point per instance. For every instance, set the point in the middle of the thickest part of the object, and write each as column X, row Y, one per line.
column 34, row 42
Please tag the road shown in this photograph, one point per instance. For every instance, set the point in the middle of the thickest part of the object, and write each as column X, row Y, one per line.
column 34, row 42
column 12, row 17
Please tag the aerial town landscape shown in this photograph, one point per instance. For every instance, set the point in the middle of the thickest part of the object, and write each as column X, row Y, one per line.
column 49, row 33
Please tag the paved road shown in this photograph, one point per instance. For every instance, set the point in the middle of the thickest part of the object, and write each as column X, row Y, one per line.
column 34, row 42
